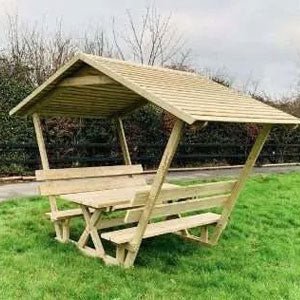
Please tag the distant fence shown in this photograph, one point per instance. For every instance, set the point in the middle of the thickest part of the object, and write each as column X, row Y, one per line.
column 20, row 159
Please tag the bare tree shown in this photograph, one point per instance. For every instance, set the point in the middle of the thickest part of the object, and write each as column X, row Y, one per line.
column 152, row 40
column 36, row 51
column 96, row 41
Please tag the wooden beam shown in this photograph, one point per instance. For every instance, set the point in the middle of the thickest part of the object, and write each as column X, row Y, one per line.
column 60, row 229
column 154, row 192
column 228, row 206
column 86, row 80
column 40, row 141
column 123, row 142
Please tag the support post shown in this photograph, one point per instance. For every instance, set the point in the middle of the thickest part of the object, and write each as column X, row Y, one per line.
column 228, row 207
column 62, row 230
column 123, row 142
column 40, row 141
column 159, row 178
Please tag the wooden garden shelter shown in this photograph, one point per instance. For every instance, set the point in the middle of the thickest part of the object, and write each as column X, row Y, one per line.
column 90, row 86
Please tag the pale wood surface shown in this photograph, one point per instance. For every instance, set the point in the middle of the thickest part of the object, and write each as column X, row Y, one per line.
column 123, row 142
column 178, row 207
column 112, row 197
column 155, row 190
column 62, row 187
column 190, row 97
column 159, row 228
column 40, row 141
column 65, row 214
column 86, row 80
column 175, row 192
column 73, row 173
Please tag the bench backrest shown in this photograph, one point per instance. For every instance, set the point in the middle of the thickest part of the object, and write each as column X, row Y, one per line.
column 183, row 199
column 81, row 180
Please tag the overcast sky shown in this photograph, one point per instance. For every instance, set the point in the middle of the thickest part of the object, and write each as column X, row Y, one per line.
column 257, row 39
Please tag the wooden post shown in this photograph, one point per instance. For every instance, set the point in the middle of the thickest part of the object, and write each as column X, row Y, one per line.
column 40, row 141
column 228, row 207
column 123, row 142
column 159, row 178
column 62, row 230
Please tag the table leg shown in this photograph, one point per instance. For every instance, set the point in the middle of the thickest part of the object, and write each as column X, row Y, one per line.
column 91, row 220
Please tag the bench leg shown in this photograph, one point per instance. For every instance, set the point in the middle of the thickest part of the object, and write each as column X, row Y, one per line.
column 204, row 234
column 121, row 253
column 203, row 239
column 65, row 230
column 62, row 230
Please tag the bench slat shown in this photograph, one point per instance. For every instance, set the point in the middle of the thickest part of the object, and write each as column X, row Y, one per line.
column 73, row 186
column 73, row 173
column 178, row 207
column 180, row 192
column 159, row 228
column 64, row 214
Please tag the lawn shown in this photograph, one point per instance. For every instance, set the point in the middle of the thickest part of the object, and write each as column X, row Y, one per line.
column 258, row 256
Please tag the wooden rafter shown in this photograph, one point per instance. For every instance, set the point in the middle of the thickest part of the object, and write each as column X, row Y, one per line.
column 86, row 80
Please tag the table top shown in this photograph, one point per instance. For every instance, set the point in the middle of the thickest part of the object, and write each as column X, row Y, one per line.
column 110, row 198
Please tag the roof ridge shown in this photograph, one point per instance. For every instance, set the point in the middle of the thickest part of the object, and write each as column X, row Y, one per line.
column 133, row 63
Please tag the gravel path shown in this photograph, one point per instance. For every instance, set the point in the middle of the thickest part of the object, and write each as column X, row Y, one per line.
column 17, row 190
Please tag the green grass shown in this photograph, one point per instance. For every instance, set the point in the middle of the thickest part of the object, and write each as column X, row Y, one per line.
column 258, row 256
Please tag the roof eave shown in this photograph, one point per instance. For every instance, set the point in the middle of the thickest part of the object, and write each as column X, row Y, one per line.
column 18, row 108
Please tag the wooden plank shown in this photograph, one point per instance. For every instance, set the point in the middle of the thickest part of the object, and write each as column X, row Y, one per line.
column 64, row 214
column 123, row 142
column 155, row 190
column 86, row 80
column 104, row 198
column 89, row 172
column 62, row 187
column 117, row 198
column 154, row 229
column 180, row 192
column 178, row 207
column 228, row 207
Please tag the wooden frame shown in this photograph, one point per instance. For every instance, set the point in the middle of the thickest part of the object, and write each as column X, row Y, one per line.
column 113, row 89
column 126, row 253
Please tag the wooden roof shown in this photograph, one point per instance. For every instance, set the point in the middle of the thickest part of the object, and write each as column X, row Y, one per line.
column 96, row 87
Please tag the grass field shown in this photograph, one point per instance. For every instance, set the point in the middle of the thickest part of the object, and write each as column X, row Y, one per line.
column 258, row 256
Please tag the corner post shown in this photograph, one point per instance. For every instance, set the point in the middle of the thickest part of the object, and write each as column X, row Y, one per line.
column 159, row 178
column 123, row 142
column 238, row 187
column 61, row 231
column 40, row 141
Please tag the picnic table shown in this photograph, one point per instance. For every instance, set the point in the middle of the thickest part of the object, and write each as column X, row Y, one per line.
column 94, row 205
column 101, row 191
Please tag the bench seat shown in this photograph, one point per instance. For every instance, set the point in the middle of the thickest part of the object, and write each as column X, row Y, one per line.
column 169, row 226
column 64, row 214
